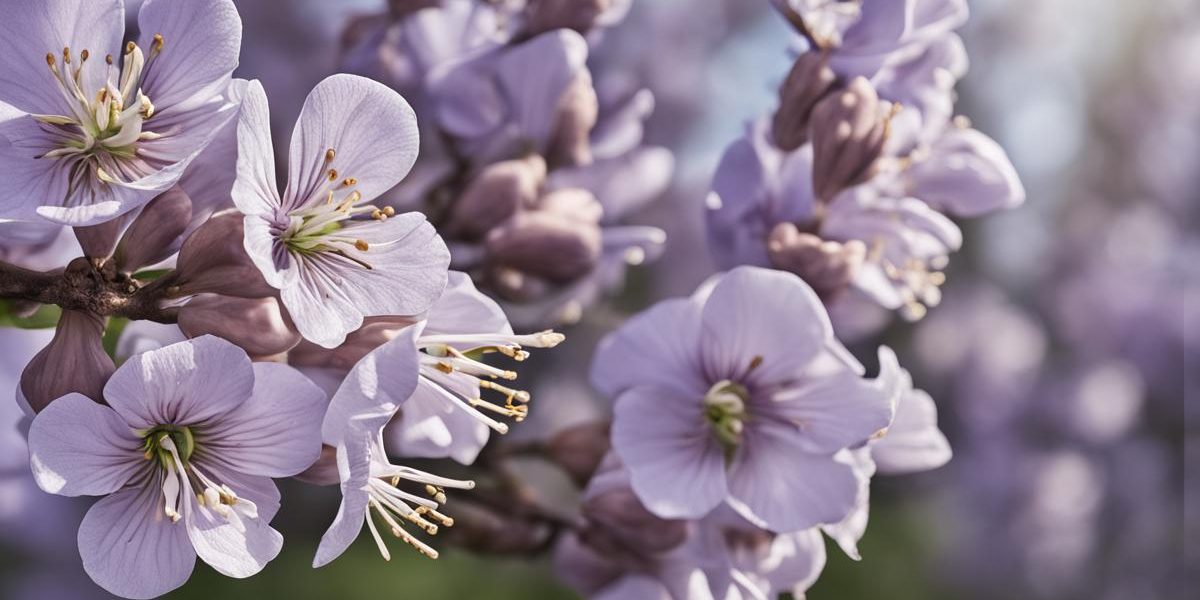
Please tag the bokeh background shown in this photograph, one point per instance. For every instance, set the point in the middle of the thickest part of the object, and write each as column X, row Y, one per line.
column 1060, row 358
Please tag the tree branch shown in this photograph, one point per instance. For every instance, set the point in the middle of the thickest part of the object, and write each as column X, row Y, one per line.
column 92, row 286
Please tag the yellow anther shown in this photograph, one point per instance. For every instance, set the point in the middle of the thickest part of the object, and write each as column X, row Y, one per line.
column 329, row 154
column 67, row 54
column 362, row 245
column 158, row 42
column 389, row 211
column 349, row 181
column 333, row 174
column 50, row 59
column 130, row 47
column 108, row 59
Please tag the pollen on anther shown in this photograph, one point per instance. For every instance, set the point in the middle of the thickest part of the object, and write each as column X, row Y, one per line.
column 130, row 47
column 362, row 245
column 67, row 54
column 108, row 59
column 329, row 154
column 158, row 41
column 389, row 211
column 333, row 175
column 349, row 181
column 84, row 55
column 50, row 59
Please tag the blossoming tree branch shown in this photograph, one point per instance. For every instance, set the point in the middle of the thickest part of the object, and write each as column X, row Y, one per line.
column 233, row 306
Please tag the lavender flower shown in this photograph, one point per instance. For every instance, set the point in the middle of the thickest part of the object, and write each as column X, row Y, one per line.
column 89, row 136
column 446, row 415
column 364, row 403
column 193, row 432
column 741, row 395
column 335, row 258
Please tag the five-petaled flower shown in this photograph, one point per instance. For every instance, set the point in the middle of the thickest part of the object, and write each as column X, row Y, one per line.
column 741, row 395
column 91, row 129
column 335, row 257
column 184, row 455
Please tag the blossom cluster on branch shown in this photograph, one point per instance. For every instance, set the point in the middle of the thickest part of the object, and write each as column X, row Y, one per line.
column 215, row 331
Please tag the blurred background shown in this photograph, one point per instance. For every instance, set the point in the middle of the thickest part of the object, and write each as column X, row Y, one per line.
column 1059, row 358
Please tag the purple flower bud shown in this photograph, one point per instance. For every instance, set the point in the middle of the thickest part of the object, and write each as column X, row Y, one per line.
column 619, row 523
column 579, row 449
column 548, row 243
column 577, row 112
column 499, row 191
column 849, row 131
column 74, row 361
column 826, row 265
column 156, row 232
column 257, row 325
column 99, row 241
column 213, row 260
column 808, row 81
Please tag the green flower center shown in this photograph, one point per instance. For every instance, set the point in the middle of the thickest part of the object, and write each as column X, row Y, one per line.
column 725, row 411
column 153, row 448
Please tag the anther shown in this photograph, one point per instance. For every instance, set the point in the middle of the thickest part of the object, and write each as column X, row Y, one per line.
column 389, row 211
column 333, row 175
column 362, row 245
column 349, row 181
column 329, row 154
column 50, row 59
column 83, row 55
column 158, row 42
column 108, row 59
column 67, row 54
column 130, row 47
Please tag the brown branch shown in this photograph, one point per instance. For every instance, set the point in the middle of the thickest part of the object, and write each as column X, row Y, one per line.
column 90, row 285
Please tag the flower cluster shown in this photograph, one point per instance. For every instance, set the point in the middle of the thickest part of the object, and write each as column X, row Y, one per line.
column 530, row 163
column 353, row 316
column 851, row 182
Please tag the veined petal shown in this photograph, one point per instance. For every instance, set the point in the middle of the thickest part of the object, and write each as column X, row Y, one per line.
column 354, row 468
column 193, row 382
column 201, row 43
column 236, row 546
column 30, row 30
column 756, row 315
column 254, row 190
column 778, row 485
column 660, row 346
column 370, row 128
column 375, row 388
column 130, row 548
column 277, row 431
column 462, row 309
column 430, row 426
column 913, row 442
column 29, row 181
column 676, row 466
column 78, row 447
column 838, row 411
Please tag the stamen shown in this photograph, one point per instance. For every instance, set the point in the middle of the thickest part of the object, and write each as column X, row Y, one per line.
column 329, row 154
column 362, row 245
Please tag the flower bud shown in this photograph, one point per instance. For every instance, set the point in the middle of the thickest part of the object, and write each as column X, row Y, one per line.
column 257, row 325
column 324, row 471
column 73, row 361
column 156, row 232
column 619, row 523
column 825, row 265
column 849, row 129
column 547, row 243
column 577, row 112
column 515, row 286
column 494, row 530
column 579, row 449
column 808, row 81
column 548, row 15
column 213, row 260
column 100, row 240
column 498, row 192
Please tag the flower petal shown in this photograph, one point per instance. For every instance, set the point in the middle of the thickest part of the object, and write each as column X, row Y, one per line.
column 660, row 346
column 371, row 129
column 354, row 468
column 913, row 442
column 80, row 448
column 201, row 43
column 189, row 383
column 675, row 465
column 778, row 485
column 375, row 388
column 754, row 312
column 430, row 426
column 254, row 190
column 238, row 546
column 277, row 431
column 462, row 309
column 31, row 30
column 130, row 548
column 837, row 411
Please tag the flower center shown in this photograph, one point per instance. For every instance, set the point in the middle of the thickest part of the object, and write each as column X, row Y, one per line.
column 173, row 445
column 320, row 224
column 104, row 125
column 725, row 411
